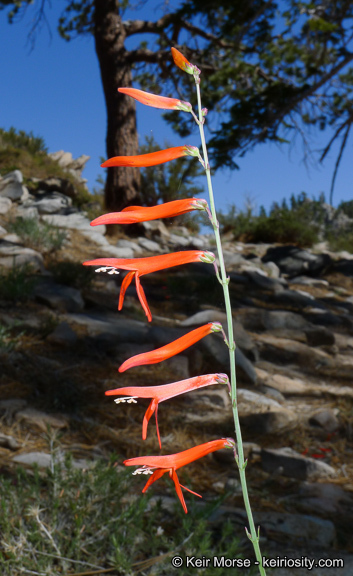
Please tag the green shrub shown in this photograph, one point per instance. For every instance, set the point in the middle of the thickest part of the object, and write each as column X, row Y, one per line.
column 17, row 284
column 23, row 151
column 23, row 140
column 341, row 241
column 38, row 235
column 66, row 520
column 300, row 224
column 7, row 340
column 72, row 274
column 286, row 227
column 347, row 208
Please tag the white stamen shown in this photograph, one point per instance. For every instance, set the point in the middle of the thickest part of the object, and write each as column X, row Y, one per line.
column 109, row 269
column 143, row 470
column 128, row 399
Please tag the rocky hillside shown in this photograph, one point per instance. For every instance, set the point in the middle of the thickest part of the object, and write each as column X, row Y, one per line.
column 62, row 340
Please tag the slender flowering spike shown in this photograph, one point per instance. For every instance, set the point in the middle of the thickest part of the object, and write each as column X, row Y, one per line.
column 137, row 267
column 151, row 159
column 171, row 349
column 159, row 465
column 156, row 101
column 161, row 393
column 133, row 214
column 183, row 63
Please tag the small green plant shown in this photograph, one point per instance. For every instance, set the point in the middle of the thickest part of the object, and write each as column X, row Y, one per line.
column 38, row 235
column 23, row 140
column 66, row 519
column 17, row 284
column 7, row 340
column 71, row 274
column 342, row 240
column 347, row 208
column 48, row 324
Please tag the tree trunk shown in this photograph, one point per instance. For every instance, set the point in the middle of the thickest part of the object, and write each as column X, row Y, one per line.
column 122, row 184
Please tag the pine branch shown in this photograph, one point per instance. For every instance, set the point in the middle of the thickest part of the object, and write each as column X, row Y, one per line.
column 339, row 129
column 339, row 157
column 132, row 27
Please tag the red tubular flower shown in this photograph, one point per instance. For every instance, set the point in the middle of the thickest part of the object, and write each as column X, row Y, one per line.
column 159, row 465
column 182, row 62
column 162, row 393
column 133, row 214
column 139, row 266
column 156, row 101
column 171, row 349
column 151, row 159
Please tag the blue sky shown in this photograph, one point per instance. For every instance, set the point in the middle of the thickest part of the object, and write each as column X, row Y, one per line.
column 55, row 91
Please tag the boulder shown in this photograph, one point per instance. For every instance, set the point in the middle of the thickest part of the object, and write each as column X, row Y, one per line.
column 11, row 186
column 255, row 319
column 5, row 205
column 264, row 415
column 232, row 259
column 112, row 326
column 328, row 498
column 149, row 245
column 283, row 351
column 307, row 281
column 343, row 266
column 294, row 529
column 211, row 406
column 319, row 336
column 175, row 241
column 204, row 317
column 27, row 212
column 76, row 221
column 296, row 299
column 292, row 464
column 51, row 203
column 295, row 261
column 41, row 419
column 56, row 184
column 136, row 250
column 44, row 460
column 155, row 228
column 216, row 354
column 63, row 335
column 13, row 255
column 9, row 442
column 258, row 278
column 179, row 366
column 325, row 418
column 64, row 159
column 59, row 297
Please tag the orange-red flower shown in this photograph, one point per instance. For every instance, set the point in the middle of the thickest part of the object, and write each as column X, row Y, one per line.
column 156, row 101
column 139, row 266
column 133, row 214
column 159, row 465
column 162, row 393
column 153, row 158
column 171, row 349
column 182, row 62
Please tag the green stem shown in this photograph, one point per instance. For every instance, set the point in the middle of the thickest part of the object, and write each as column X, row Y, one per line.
column 253, row 536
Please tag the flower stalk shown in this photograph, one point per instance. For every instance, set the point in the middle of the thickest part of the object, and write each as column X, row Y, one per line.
column 253, row 535
column 160, row 465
